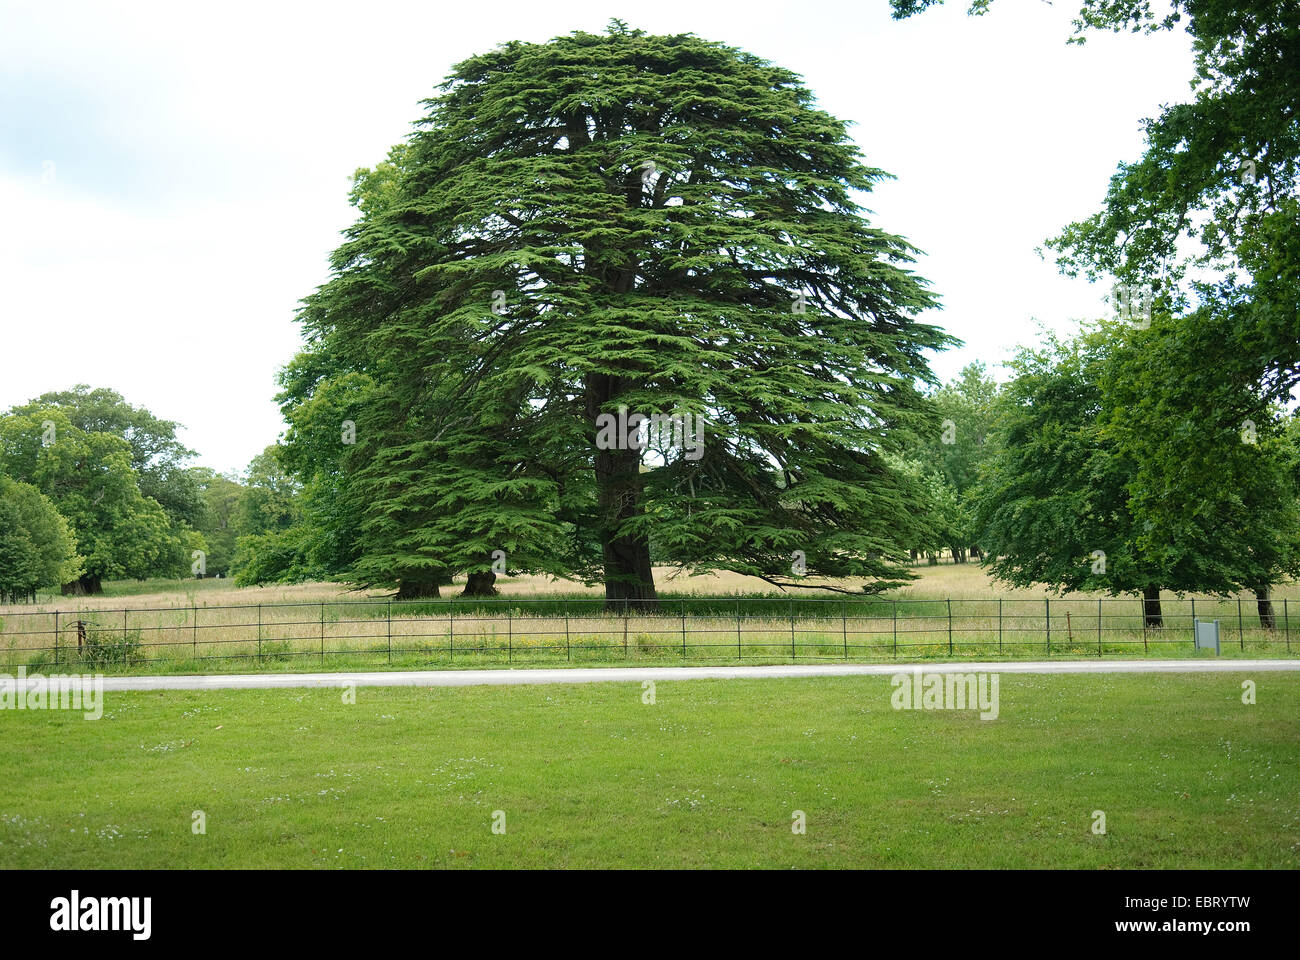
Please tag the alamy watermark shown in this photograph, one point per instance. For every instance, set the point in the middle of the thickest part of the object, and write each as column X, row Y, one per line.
column 637, row 431
column 71, row 691
column 77, row 913
column 946, row 691
column 1132, row 303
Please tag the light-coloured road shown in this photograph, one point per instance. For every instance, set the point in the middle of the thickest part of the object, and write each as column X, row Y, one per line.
column 471, row 678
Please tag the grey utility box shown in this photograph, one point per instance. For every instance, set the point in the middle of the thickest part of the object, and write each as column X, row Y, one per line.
column 1206, row 634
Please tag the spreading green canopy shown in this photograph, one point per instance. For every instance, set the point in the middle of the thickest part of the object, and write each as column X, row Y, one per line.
column 1053, row 505
column 1087, row 488
column 157, row 456
column 658, row 224
column 88, row 476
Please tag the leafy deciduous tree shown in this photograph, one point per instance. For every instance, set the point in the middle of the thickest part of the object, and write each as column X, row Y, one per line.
column 37, row 548
column 89, row 477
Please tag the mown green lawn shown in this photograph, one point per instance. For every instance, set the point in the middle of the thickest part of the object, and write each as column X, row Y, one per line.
column 709, row 775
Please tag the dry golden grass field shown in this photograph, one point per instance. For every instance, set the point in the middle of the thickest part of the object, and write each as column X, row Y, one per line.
column 964, row 581
column 949, row 611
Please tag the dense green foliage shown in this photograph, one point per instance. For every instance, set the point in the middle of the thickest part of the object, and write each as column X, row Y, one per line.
column 91, row 457
column 1057, row 490
column 660, row 224
column 220, row 522
column 157, row 457
column 264, row 524
column 1186, row 408
column 36, row 546
column 1087, row 491
column 1218, row 497
column 88, row 475
column 951, row 458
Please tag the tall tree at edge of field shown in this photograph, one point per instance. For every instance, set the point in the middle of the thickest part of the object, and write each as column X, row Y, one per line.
column 1217, row 494
column 1085, row 491
column 1052, row 506
column 625, row 222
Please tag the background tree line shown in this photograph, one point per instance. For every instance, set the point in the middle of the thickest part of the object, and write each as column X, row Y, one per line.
column 1093, row 468
column 94, row 489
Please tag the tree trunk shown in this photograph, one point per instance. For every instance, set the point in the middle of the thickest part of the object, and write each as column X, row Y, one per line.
column 417, row 590
column 976, row 554
column 1264, row 604
column 480, row 585
column 83, row 587
column 629, row 579
column 1151, row 616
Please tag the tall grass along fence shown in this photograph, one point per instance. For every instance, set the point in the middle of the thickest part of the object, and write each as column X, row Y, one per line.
column 465, row 632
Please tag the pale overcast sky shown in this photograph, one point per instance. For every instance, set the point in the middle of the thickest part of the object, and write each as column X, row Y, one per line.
column 173, row 176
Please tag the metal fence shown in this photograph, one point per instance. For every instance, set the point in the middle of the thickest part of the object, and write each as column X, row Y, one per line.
column 514, row 630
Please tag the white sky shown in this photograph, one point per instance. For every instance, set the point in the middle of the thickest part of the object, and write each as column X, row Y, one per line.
column 173, row 177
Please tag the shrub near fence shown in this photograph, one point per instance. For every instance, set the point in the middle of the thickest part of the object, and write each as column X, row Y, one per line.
column 507, row 630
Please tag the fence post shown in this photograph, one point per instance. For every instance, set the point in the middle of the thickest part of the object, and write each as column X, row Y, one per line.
column 124, row 646
column 1286, row 625
column 739, row 654
column 390, row 631
column 682, row 610
column 844, row 626
column 568, row 654
column 1241, row 630
column 510, row 636
column 895, row 603
column 259, row 633
column 999, row 625
column 1099, row 626
column 1047, row 601
column 194, row 639
column 56, row 636
column 322, row 633
column 793, row 655
column 625, row 619
column 949, row 602
column 451, row 628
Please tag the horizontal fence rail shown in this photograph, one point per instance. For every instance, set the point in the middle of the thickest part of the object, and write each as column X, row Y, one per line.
column 418, row 633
